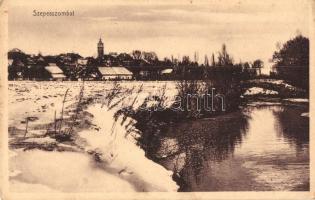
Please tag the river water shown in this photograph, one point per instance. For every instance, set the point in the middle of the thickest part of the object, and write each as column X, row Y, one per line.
column 262, row 148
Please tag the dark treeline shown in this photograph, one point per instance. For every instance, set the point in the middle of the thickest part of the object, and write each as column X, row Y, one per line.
column 292, row 61
column 143, row 65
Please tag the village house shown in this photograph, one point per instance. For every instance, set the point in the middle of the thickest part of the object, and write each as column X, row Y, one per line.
column 82, row 62
column 144, row 73
column 55, row 73
column 115, row 73
column 166, row 73
column 10, row 62
column 152, row 72
column 20, row 66
column 18, row 75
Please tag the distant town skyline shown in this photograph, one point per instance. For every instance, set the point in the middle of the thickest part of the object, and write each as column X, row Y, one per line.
column 250, row 29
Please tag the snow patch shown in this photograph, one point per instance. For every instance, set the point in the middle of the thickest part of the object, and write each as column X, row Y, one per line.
column 41, row 140
column 306, row 114
column 118, row 152
column 297, row 100
column 258, row 90
column 63, row 172
column 264, row 104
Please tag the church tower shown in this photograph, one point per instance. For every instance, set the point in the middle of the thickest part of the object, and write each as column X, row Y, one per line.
column 100, row 50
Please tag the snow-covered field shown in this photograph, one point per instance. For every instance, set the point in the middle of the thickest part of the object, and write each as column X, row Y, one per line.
column 106, row 158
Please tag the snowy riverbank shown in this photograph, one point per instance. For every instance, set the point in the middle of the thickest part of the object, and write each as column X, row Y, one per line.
column 112, row 163
column 103, row 157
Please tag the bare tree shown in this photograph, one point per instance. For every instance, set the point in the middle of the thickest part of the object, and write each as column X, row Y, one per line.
column 196, row 56
column 224, row 59
column 206, row 61
column 136, row 54
column 258, row 64
column 149, row 56
column 186, row 60
column 212, row 60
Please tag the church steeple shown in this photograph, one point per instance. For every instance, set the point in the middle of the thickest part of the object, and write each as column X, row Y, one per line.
column 100, row 50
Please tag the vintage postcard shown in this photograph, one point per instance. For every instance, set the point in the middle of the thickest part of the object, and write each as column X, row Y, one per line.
column 152, row 99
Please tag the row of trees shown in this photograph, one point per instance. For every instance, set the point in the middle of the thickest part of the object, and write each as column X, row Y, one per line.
column 33, row 66
column 223, row 59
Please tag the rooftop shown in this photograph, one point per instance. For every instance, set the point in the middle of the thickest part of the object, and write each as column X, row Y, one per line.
column 58, row 76
column 167, row 71
column 54, row 69
column 114, row 71
column 82, row 61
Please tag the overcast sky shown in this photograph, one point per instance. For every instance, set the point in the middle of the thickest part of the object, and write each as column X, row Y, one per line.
column 250, row 29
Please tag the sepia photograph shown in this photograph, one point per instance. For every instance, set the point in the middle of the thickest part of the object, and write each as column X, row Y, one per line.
column 145, row 96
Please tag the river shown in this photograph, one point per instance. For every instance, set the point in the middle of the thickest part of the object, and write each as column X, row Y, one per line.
column 264, row 148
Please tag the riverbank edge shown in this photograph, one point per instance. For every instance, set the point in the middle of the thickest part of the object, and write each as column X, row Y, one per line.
column 76, row 143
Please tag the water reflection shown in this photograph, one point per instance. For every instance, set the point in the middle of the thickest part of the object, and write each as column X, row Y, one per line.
column 201, row 141
column 293, row 127
column 263, row 148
